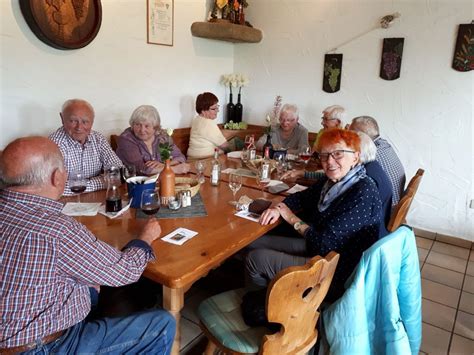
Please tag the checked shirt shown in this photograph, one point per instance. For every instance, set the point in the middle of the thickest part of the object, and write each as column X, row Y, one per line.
column 91, row 158
column 48, row 263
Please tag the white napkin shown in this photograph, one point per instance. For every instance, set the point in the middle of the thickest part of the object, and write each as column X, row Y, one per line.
column 237, row 154
column 114, row 215
column 297, row 188
column 81, row 208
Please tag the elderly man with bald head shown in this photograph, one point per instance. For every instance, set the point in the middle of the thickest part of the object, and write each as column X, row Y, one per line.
column 52, row 266
column 83, row 149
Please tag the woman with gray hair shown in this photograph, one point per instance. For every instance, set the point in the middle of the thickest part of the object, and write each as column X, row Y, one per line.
column 139, row 145
column 289, row 134
column 332, row 118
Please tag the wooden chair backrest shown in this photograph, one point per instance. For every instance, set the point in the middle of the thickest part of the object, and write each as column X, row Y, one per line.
column 114, row 142
column 292, row 300
column 400, row 211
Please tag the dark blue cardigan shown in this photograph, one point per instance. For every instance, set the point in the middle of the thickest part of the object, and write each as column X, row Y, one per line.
column 349, row 226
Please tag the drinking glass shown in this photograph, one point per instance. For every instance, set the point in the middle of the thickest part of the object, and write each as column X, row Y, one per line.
column 200, row 166
column 128, row 171
column 305, row 153
column 150, row 202
column 280, row 164
column 248, row 140
column 235, row 183
column 262, row 182
column 77, row 183
column 245, row 155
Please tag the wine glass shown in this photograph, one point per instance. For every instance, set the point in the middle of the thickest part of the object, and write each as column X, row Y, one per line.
column 128, row 171
column 248, row 140
column 150, row 202
column 262, row 179
column 305, row 153
column 235, row 183
column 200, row 166
column 77, row 183
column 280, row 164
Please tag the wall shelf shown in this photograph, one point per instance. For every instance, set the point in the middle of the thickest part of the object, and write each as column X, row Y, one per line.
column 226, row 31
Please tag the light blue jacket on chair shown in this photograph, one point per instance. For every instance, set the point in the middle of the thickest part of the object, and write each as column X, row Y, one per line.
column 380, row 312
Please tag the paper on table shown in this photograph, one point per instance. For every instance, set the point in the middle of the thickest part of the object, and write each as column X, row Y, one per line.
column 228, row 171
column 248, row 215
column 114, row 215
column 274, row 182
column 297, row 188
column 81, row 208
column 179, row 236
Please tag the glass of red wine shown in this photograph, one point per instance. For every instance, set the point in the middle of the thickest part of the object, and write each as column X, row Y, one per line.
column 77, row 183
column 305, row 153
column 150, row 203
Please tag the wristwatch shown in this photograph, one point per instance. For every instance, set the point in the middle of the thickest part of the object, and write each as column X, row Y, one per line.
column 297, row 226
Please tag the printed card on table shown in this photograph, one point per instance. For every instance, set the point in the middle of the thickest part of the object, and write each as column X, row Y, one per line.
column 179, row 236
column 248, row 215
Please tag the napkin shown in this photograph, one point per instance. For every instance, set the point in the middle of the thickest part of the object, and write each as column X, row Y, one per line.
column 237, row 154
column 297, row 188
column 81, row 209
column 114, row 215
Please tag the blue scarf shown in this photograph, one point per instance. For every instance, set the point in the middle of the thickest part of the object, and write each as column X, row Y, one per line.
column 331, row 191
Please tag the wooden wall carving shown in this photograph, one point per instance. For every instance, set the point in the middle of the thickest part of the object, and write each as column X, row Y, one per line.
column 63, row 24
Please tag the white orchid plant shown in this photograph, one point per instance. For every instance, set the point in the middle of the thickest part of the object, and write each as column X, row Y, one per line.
column 272, row 117
column 235, row 81
column 166, row 147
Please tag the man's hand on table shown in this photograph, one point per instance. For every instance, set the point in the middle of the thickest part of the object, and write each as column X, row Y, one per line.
column 151, row 231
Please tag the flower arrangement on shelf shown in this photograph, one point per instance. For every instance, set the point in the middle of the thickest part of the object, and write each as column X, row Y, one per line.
column 234, row 81
column 166, row 147
column 272, row 117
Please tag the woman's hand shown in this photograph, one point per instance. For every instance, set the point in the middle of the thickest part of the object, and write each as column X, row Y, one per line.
column 292, row 175
column 181, row 168
column 155, row 165
column 269, row 216
column 285, row 212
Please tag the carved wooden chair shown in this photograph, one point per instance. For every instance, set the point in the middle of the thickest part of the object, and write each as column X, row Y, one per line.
column 400, row 211
column 293, row 298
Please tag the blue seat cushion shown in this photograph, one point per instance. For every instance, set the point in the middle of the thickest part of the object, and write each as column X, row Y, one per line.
column 222, row 317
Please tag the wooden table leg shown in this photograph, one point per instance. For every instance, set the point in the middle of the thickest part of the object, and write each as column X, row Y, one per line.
column 173, row 301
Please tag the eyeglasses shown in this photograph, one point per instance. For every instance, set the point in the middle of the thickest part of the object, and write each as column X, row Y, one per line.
column 336, row 155
column 214, row 108
column 328, row 119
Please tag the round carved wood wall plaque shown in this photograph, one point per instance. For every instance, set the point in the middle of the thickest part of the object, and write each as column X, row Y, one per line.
column 63, row 24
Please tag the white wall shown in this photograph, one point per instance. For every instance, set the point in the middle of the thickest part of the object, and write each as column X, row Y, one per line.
column 116, row 72
column 427, row 114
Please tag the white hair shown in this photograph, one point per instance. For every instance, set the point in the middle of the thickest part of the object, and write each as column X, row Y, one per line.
column 366, row 124
column 146, row 113
column 71, row 102
column 335, row 111
column 290, row 108
column 37, row 171
column 368, row 150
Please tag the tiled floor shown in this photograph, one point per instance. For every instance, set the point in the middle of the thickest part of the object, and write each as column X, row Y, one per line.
column 447, row 271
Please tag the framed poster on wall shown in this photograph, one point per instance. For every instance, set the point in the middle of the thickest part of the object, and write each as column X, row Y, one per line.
column 160, row 22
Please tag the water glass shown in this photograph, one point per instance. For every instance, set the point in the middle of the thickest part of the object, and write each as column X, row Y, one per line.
column 200, row 166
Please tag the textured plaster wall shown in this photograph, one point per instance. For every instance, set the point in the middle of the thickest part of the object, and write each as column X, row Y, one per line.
column 116, row 72
column 427, row 114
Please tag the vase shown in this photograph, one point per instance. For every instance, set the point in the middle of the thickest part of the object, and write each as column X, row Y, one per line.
column 167, row 184
column 230, row 110
column 238, row 110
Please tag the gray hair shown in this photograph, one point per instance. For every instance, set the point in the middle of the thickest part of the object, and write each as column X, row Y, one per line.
column 290, row 108
column 368, row 150
column 146, row 113
column 335, row 111
column 366, row 124
column 71, row 102
column 37, row 170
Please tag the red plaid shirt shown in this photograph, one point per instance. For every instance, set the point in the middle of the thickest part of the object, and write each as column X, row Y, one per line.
column 48, row 262
column 91, row 158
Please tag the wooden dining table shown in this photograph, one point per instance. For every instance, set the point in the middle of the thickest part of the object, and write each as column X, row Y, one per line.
column 220, row 235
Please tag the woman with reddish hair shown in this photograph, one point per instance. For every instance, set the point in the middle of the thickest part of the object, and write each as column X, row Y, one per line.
column 341, row 212
column 205, row 135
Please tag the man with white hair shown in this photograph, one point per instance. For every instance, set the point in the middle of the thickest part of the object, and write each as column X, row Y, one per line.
column 332, row 117
column 52, row 267
column 386, row 155
column 83, row 149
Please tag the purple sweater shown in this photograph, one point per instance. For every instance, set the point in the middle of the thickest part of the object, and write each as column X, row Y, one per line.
column 133, row 151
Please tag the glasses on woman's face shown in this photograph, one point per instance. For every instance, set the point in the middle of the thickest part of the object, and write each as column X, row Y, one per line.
column 327, row 119
column 214, row 108
column 336, row 155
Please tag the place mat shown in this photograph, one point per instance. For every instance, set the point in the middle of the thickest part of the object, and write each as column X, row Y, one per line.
column 197, row 209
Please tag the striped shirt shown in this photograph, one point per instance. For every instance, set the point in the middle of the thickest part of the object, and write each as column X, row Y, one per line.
column 48, row 262
column 91, row 158
column 392, row 165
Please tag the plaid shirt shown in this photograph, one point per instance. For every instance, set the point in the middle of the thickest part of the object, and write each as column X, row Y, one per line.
column 49, row 260
column 387, row 157
column 91, row 158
